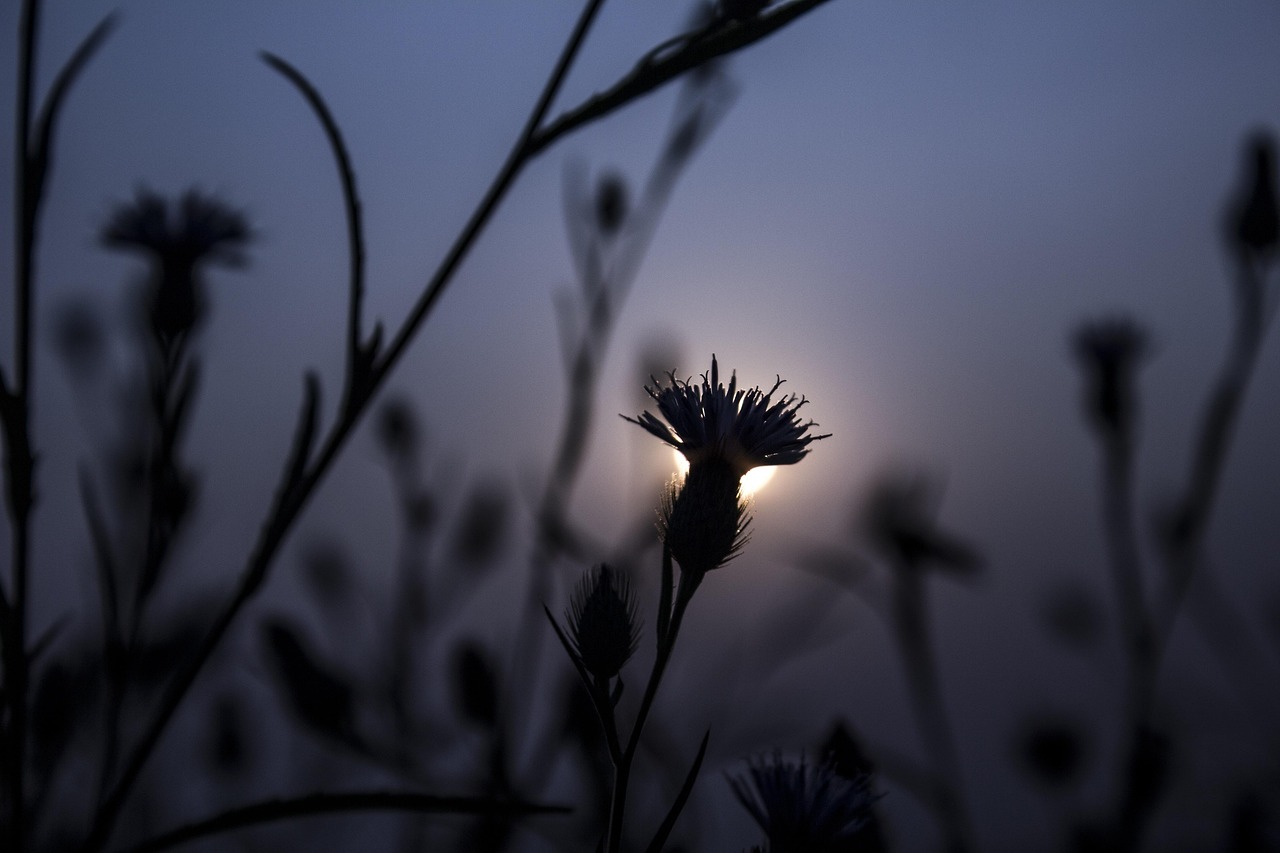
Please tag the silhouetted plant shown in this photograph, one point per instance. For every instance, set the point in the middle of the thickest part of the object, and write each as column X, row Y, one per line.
column 178, row 240
column 723, row 433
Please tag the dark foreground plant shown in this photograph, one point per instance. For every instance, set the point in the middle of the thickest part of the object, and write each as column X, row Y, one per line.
column 1152, row 572
column 724, row 433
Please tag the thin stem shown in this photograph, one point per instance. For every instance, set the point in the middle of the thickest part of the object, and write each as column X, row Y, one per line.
column 516, row 161
column 622, row 770
column 17, row 431
column 1185, row 542
column 654, row 71
column 1126, row 573
column 355, row 225
column 911, row 624
column 1126, row 567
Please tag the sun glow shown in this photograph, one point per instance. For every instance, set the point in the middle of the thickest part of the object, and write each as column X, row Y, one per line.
column 752, row 482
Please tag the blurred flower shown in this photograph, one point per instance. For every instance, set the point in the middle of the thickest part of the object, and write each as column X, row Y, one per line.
column 178, row 238
column 804, row 808
column 612, row 203
column 1109, row 352
column 397, row 428
column 898, row 517
column 1254, row 218
column 603, row 628
column 743, row 428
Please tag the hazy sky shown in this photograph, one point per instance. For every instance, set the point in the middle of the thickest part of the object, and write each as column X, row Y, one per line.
column 906, row 211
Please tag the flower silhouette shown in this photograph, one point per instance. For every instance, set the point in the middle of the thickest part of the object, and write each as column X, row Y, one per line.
column 724, row 433
column 745, row 428
column 804, row 808
column 602, row 621
column 178, row 238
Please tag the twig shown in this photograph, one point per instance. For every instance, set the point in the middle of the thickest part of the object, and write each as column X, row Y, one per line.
column 359, row 354
column 32, row 157
column 649, row 74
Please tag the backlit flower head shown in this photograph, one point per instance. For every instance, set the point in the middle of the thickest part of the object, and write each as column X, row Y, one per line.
column 802, row 807
column 742, row 427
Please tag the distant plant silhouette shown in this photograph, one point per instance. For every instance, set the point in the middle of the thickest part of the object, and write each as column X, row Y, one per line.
column 1053, row 748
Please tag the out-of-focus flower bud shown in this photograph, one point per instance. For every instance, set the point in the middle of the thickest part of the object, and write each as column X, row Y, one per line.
column 612, row 203
column 1254, row 224
column 1109, row 352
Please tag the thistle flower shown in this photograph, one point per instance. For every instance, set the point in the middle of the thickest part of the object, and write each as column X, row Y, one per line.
column 804, row 808
column 178, row 239
column 724, row 433
column 743, row 428
column 602, row 622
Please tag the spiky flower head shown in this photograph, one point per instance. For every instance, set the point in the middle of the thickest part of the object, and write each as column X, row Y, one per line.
column 803, row 807
column 742, row 427
column 603, row 624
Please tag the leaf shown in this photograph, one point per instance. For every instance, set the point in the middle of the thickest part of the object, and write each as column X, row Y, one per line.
column 40, row 154
column 660, row 837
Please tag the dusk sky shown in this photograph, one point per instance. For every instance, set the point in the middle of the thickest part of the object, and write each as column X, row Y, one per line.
column 905, row 213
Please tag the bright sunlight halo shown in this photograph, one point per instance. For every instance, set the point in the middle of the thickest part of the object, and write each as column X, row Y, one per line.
column 752, row 482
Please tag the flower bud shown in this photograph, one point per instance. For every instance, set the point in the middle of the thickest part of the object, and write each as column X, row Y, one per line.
column 602, row 622
column 1109, row 352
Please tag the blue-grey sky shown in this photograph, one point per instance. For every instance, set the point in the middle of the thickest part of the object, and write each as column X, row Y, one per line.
column 906, row 211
